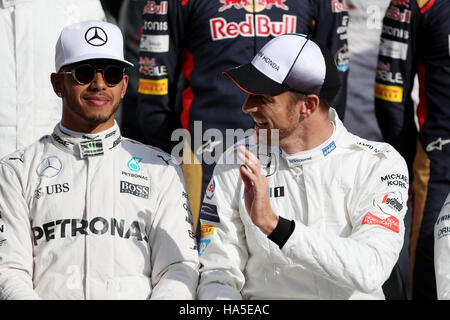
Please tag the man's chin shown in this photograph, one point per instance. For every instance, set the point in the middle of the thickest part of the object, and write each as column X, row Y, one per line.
column 97, row 118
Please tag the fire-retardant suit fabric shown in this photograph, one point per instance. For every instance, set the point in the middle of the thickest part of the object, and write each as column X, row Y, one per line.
column 347, row 199
column 442, row 251
column 94, row 216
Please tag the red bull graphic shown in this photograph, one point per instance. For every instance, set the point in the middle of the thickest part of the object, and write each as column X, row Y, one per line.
column 396, row 14
column 339, row 6
column 253, row 5
column 153, row 8
column 149, row 67
column 263, row 26
column 146, row 61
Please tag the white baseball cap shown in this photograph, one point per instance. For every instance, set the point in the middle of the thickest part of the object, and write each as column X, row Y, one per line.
column 289, row 62
column 89, row 40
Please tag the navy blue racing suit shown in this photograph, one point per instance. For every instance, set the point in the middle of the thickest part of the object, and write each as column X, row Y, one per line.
column 415, row 40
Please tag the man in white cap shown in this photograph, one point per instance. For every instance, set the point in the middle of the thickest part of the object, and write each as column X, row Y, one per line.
column 84, row 212
column 323, row 218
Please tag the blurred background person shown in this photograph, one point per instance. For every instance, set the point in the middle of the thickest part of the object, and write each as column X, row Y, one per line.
column 28, row 33
column 415, row 40
column 130, row 21
column 127, row 15
column 364, row 31
column 442, row 251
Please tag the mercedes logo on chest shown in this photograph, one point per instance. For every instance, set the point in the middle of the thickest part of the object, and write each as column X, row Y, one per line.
column 49, row 167
column 96, row 36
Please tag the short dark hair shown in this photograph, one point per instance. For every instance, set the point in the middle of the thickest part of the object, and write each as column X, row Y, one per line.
column 295, row 96
column 325, row 103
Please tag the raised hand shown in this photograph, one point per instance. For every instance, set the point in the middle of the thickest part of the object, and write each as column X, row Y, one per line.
column 256, row 192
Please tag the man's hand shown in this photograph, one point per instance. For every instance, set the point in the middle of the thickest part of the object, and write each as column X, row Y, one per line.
column 256, row 192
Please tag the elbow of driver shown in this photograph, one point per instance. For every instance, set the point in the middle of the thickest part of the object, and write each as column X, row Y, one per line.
column 372, row 281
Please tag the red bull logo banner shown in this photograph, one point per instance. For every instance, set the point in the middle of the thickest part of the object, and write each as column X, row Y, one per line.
column 253, row 5
column 259, row 25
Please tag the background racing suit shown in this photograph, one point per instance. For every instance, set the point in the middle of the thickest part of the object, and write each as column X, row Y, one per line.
column 203, row 38
column 442, row 251
column 347, row 199
column 94, row 217
column 415, row 39
column 30, row 29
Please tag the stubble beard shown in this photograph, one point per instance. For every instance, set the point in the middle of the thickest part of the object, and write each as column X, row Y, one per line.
column 285, row 133
column 94, row 119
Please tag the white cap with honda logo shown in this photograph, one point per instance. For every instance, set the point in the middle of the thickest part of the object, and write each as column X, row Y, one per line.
column 289, row 62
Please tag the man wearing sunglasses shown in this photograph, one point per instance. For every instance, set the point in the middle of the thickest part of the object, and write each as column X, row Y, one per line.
column 84, row 212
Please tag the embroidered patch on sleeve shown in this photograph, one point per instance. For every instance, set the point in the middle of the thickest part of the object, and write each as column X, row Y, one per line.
column 390, row 223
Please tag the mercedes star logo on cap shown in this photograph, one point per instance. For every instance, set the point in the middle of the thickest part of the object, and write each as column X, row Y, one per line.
column 96, row 36
column 49, row 167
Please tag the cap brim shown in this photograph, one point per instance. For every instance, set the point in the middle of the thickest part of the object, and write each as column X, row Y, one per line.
column 252, row 81
column 94, row 57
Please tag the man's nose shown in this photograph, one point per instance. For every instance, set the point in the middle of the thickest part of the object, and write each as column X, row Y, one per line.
column 99, row 82
column 250, row 105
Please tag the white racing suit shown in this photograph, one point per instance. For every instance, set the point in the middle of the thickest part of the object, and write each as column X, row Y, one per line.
column 94, row 217
column 442, row 251
column 346, row 200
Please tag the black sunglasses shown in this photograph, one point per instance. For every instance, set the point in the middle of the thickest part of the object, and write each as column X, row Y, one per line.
column 85, row 73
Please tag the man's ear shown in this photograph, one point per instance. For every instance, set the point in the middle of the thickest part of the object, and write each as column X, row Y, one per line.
column 309, row 105
column 57, row 83
column 124, row 85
